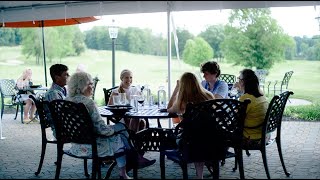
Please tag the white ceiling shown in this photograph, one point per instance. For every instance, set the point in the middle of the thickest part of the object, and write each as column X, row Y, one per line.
column 13, row 11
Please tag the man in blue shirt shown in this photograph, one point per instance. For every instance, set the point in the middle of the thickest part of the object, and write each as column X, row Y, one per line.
column 211, row 72
column 59, row 74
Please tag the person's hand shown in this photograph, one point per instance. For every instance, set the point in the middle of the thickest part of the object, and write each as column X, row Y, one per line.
column 237, row 85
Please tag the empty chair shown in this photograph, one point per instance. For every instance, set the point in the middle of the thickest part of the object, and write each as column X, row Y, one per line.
column 261, row 74
column 280, row 86
column 230, row 79
column 8, row 93
column 107, row 94
column 272, row 123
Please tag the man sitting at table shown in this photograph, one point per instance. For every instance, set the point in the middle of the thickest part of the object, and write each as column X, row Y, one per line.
column 59, row 74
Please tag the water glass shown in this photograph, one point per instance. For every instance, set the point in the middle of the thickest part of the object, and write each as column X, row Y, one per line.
column 134, row 102
column 123, row 98
column 116, row 99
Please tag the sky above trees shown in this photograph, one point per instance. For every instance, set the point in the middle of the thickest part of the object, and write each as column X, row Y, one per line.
column 296, row 21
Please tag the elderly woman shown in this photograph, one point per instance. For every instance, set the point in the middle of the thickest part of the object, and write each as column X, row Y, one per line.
column 80, row 91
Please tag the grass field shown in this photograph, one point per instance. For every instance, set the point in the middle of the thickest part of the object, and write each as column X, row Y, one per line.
column 153, row 70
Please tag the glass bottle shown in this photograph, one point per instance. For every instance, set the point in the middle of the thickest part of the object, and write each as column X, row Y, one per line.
column 162, row 99
column 146, row 92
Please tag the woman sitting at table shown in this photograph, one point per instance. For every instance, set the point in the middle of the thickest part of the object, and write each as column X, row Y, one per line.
column 188, row 89
column 80, row 90
column 249, row 87
column 125, row 87
column 24, row 81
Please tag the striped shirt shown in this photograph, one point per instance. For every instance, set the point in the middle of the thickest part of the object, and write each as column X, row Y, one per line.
column 55, row 92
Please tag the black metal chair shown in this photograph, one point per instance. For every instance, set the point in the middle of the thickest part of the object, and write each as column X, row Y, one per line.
column 107, row 94
column 9, row 93
column 261, row 74
column 280, row 86
column 272, row 123
column 44, row 124
column 230, row 79
column 73, row 124
column 200, row 121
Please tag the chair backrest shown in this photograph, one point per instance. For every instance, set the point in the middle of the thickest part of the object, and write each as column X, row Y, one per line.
column 274, row 113
column 261, row 74
column 215, row 121
column 107, row 94
column 43, row 112
column 286, row 79
column 7, row 87
column 72, row 123
column 95, row 82
column 228, row 78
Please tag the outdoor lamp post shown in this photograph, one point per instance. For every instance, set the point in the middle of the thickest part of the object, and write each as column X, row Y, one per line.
column 113, row 33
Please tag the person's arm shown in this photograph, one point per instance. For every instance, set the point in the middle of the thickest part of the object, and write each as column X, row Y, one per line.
column 174, row 95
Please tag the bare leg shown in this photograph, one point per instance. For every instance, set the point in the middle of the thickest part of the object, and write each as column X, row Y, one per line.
column 134, row 124
column 33, row 111
column 27, row 108
column 123, row 173
column 199, row 169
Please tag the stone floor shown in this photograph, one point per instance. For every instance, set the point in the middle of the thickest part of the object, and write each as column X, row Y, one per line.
column 20, row 155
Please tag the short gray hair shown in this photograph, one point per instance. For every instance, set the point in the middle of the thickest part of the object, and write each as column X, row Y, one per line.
column 77, row 83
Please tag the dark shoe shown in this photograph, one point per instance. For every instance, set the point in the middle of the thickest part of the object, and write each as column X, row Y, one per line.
column 146, row 163
column 230, row 154
column 173, row 155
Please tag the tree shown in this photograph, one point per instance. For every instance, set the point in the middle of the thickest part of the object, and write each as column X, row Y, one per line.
column 214, row 35
column 197, row 51
column 183, row 35
column 254, row 39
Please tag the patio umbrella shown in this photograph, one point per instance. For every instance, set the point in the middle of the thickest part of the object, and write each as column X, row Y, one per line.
column 47, row 23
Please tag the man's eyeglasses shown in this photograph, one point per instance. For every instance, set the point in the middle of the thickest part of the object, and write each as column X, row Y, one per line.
column 239, row 78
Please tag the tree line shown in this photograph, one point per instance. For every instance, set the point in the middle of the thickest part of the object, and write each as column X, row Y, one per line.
column 251, row 38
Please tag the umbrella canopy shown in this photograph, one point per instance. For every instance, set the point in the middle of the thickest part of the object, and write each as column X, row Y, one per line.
column 47, row 23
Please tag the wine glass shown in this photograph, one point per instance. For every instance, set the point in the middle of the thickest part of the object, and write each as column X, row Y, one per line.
column 140, row 99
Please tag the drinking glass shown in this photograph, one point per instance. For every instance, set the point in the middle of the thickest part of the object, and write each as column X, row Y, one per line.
column 140, row 99
column 123, row 99
column 116, row 99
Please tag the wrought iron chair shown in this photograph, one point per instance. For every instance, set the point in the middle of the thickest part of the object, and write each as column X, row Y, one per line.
column 44, row 124
column 95, row 82
column 272, row 123
column 107, row 94
column 280, row 86
column 8, row 91
column 206, row 119
column 230, row 79
column 73, row 124
column 261, row 74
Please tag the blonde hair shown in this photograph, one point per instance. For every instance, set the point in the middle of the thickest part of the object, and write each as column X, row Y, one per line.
column 78, row 82
column 122, row 74
column 190, row 90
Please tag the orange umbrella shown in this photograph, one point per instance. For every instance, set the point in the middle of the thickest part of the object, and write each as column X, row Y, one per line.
column 47, row 23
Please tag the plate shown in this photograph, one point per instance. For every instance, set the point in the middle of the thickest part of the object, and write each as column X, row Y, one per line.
column 119, row 110
column 35, row 86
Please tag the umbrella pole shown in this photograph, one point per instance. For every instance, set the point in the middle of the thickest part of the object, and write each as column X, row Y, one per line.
column 44, row 54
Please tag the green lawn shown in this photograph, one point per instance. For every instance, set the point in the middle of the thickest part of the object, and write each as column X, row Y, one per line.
column 152, row 70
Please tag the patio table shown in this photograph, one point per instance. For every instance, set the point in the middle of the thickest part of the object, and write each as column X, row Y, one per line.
column 151, row 112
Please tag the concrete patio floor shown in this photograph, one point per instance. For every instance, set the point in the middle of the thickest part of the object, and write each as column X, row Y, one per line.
column 20, row 155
